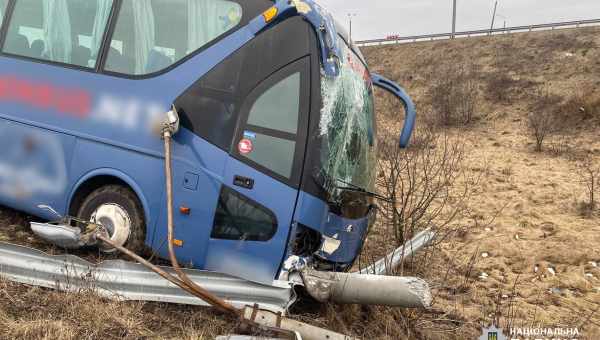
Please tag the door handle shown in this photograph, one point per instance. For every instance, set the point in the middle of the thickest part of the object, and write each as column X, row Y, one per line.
column 243, row 182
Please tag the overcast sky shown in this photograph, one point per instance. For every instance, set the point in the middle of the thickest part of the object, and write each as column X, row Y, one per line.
column 379, row 18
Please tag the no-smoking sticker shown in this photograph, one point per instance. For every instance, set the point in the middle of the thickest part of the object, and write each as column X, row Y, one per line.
column 245, row 146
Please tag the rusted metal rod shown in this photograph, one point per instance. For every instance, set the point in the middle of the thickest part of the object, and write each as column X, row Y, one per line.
column 200, row 293
column 213, row 300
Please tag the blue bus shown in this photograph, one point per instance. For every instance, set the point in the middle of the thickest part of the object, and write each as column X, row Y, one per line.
column 276, row 157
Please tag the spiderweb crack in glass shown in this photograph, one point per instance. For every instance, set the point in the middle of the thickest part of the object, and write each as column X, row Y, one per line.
column 347, row 126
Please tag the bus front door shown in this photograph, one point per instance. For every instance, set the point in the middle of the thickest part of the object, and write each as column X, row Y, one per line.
column 260, row 185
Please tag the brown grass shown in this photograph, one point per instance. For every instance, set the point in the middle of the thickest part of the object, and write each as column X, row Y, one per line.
column 36, row 313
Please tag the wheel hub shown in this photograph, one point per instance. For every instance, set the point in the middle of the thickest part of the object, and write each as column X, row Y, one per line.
column 117, row 222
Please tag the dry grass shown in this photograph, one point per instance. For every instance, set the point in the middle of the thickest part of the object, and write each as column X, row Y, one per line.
column 36, row 313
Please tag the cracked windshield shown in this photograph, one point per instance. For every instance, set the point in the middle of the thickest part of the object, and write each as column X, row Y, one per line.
column 347, row 127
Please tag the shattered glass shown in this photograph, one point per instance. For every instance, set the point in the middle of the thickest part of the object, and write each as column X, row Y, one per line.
column 347, row 127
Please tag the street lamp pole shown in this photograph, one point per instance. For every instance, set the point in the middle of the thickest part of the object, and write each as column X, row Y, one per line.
column 494, row 16
column 453, row 19
column 350, row 15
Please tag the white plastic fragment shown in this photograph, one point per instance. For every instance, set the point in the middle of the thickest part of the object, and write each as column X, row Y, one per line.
column 485, row 254
column 330, row 244
column 554, row 290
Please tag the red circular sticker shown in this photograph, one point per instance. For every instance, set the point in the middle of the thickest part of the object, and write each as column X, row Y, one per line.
column 245, row 146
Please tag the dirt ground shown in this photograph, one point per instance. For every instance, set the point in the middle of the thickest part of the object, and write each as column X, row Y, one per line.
column 527, row 256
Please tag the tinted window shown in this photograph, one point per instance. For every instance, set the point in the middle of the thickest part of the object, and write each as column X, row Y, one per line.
column 278, row 107
column 275, row 154
column 151, row 35
column 274, row 117
column 65, row 31
column 277, row 110
column 239, row 218
column 211, row 107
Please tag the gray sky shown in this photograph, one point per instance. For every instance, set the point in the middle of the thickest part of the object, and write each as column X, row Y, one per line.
column 379, row 18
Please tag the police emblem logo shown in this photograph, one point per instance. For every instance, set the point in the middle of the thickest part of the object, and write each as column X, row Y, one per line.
column 492, row 333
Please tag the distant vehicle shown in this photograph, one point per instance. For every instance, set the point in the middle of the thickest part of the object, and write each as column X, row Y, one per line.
column 276, row 155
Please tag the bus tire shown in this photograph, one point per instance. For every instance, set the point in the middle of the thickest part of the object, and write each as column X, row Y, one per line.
column 118, row 209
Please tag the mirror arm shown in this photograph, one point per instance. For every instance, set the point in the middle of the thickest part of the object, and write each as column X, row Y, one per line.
column 409, row 106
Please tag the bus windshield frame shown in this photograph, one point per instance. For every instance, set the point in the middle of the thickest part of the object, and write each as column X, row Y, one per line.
column 347, row 127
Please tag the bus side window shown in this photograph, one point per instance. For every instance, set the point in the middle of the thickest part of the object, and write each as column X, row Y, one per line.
column 273, row 116
column 241, row 219
column 68, row 32
column 271, row 138
column 155, row 34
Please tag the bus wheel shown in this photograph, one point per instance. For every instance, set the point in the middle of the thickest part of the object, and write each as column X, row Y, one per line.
column 116, row 208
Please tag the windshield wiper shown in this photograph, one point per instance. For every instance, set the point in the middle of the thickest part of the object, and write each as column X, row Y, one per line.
column 356, row 188
column 326, row 181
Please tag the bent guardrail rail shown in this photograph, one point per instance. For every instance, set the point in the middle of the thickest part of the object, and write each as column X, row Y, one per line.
column 388, row 263
column 131, row 281
column 124, row 280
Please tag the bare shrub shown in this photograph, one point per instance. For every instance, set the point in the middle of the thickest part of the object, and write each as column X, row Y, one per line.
column 419, row 183
column 453, row 95
column 501, row 87
column 542, row 118
column 589, row 174
column 428, row 186
column 540, row 126
column 581, row 106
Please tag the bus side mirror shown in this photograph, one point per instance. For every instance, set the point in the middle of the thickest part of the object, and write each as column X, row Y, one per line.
column 409, row 106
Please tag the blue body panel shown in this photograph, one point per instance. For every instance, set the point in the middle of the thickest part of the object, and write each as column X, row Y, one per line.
column 314, row 213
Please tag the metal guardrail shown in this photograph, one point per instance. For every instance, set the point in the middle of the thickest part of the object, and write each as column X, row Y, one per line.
column 387, row 264
column 131, row 281
column 441, row 36
column 124, row 280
